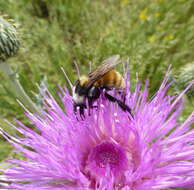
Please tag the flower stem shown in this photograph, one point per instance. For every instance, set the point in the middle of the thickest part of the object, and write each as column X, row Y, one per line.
column 17, row 87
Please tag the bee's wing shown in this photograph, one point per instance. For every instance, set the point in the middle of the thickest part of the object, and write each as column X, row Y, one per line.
column 107, row 65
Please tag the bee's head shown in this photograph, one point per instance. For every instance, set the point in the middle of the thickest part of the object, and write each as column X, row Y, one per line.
column 80, row 91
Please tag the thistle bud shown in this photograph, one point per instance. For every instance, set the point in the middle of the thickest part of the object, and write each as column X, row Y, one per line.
column 185, row 76
column 9, row 42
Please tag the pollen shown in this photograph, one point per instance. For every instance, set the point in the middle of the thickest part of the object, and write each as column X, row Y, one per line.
column 106, row 155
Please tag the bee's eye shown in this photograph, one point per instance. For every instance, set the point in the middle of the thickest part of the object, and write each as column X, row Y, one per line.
column 81, row 90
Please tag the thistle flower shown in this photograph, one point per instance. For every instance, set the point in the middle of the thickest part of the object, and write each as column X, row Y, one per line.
column 109, row 149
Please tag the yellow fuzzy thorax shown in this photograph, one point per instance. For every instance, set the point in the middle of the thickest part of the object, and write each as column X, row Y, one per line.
column 83, row 80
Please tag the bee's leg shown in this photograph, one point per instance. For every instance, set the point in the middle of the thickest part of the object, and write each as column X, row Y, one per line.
column 81, row 108
column 90, row 105
column 123, row 95
column 90, row 102
column 109, row 97
column 121, row 104
column 93, row 95
column 82, row 113
column 75, row 109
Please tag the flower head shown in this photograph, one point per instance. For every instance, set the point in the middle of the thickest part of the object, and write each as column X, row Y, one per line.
column 107, row 150
column 9, row 41
column 183, row 78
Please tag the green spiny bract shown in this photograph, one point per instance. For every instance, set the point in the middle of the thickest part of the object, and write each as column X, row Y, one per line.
column 9, row 41
column 185, row 76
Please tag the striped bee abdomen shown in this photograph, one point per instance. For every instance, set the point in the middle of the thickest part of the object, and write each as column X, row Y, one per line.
column 111, row 79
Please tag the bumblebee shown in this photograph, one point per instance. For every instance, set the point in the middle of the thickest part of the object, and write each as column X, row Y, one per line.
column 103, row 78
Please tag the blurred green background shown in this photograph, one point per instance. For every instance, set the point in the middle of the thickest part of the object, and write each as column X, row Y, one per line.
column 152, row 33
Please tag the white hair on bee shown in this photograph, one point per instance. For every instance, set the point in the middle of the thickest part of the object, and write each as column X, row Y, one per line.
column 77, row 68
column 67, row 78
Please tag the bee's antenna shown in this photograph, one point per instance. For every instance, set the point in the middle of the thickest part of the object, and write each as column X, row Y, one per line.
column 123, row 63
column 67, row 78
column 77, row 68
column 126, row 66
column 90, row 66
